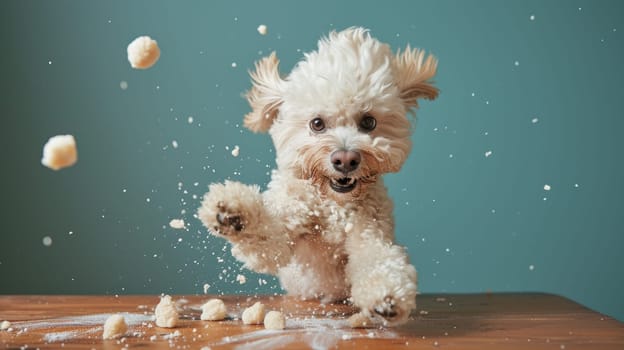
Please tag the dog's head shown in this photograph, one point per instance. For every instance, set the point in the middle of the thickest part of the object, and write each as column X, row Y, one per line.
column 340, row 118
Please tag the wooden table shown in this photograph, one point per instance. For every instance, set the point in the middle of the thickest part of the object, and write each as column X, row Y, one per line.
column 478, row 321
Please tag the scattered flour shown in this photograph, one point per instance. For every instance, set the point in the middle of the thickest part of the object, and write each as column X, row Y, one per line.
column 115, row 327
column 274, row 320
column 60, row 152
column 317, row 333
column 143, row 52
column 214, row 310
column 166, row 313
column 254, row 314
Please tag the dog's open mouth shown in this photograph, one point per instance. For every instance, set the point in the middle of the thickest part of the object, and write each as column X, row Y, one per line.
column 343, row 184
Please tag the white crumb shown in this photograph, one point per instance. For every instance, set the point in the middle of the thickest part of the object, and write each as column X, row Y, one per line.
column 254, row 314
column 213, row 310
column 348, row 227
column 143, row 52
column 262, row 29
column 546, row 187
column 534, row 120
column 359, row 320
column 115, row 327
column 206, row 287
column 174, row 143
column 241, row 279
column 47, row 241
column 166, row 313
column 488, row 153
column 177, row 224
column 60, row 152
column 5, row 325
column 236, row 151
column 274, row 320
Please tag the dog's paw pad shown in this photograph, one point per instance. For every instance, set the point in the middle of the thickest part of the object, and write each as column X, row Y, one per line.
column 387, row 308
column 229, row 223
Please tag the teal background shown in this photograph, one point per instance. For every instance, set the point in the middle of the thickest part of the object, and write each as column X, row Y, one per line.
column 471, row 223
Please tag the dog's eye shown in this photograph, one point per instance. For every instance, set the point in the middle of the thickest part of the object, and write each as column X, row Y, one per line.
column 317, row 125
column 368, row 123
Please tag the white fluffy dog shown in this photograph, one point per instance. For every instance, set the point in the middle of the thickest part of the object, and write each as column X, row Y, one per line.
column 325, row 223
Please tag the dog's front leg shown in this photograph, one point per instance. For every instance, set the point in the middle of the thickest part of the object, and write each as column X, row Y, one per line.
column 237, row 212
column 383, row 282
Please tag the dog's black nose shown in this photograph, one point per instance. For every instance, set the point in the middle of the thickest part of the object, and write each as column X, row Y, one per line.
column 345, row 161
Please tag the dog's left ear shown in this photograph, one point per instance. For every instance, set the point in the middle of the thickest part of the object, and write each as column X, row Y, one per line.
column 413, row 75
column 265, row 96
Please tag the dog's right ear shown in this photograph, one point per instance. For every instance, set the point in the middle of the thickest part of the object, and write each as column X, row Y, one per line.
column 265, row 96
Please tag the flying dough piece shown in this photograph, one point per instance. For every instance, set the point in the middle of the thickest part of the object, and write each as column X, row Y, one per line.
column 60, row 152
column 143, row 52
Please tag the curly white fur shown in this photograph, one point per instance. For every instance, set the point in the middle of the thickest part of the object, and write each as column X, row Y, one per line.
column 328, row 232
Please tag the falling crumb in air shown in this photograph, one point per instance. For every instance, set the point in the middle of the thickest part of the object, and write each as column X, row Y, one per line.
column 534, row 120
column 531, row 267
column 206, row 287
column 60, row 152
column 123, row 84
column 241, row 279
column 190, row 120
column 174, row 143
column 546, row 187
column 262, row 29
column 488, row 153
column 47, row 241
column 532, row 17
column 177, row 224
column 234, row 64
column 516, row 63
column 143, row 52
column 236, row 151
column 576, row 185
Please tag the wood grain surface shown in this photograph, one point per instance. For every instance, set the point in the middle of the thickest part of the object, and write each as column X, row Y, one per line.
column 450, row 321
